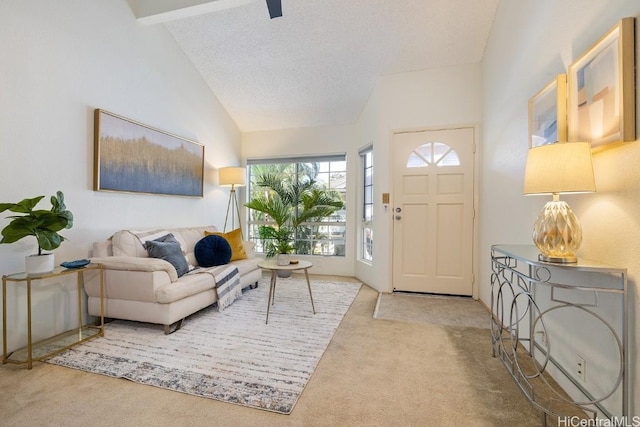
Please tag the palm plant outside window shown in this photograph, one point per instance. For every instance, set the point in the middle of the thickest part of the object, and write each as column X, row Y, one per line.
column 318, row 186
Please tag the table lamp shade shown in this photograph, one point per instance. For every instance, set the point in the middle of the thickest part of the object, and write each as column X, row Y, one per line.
column 232, row 176
column 555, row 169
column 559, row 168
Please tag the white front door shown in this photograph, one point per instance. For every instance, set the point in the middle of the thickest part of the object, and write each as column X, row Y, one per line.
column 433, row 211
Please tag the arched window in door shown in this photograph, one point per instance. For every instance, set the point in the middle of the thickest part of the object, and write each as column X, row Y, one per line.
column 433, row 153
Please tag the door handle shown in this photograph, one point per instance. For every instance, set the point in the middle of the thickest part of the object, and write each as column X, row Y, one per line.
column 398, row 217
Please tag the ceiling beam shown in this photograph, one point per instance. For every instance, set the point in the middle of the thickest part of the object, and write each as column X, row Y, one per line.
column 151, row 12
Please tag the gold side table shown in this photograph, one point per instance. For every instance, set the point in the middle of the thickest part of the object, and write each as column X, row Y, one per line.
column 43, row 349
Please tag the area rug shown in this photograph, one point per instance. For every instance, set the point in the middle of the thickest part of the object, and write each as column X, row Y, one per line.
column 232, row 356
column 434, row 309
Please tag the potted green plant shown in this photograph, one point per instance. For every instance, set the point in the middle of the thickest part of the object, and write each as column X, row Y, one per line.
column 288, row 204
column 278, row 242
column 44, row 225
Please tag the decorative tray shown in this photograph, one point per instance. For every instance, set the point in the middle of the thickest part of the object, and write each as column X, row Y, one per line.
column 75, row 264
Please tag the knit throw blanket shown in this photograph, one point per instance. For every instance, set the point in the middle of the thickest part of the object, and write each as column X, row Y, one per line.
column 227, row 278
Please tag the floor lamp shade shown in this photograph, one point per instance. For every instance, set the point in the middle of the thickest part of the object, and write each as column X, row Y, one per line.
column 232, row 177
column 554, row 169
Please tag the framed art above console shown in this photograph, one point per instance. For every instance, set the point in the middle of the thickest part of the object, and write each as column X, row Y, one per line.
column 601, row 96
column 548, row 113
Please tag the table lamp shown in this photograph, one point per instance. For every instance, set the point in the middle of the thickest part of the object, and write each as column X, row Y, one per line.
column 564, row 167
column 232, row 177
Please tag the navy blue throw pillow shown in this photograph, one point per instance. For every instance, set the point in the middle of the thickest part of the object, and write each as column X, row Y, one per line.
column 212, row 250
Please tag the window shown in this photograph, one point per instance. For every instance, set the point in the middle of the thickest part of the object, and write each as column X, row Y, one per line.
column 322, row 236
column 433, row 153
column 366, row 230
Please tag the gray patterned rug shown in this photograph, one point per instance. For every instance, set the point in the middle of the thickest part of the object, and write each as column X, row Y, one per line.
column 230, row 356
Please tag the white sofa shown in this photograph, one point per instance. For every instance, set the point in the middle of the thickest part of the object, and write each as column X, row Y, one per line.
column 146, row 289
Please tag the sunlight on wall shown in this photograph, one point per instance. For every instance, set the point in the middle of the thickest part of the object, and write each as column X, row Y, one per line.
column 518, row 62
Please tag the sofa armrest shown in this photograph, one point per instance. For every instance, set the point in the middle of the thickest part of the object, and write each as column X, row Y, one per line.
column 249, row 248
column 129, row 263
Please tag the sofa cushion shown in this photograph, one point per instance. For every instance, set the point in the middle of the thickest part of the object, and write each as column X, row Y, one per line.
column 129, row 243
column 168, row 249
column 212, row 250
column 246, row 265
column 102, row 249
column 234, row 238
column 125, row 243
column 249, row 247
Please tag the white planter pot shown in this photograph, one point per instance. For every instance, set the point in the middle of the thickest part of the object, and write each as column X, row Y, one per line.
column 283, row 259
column 284, row 273
column 39, row 264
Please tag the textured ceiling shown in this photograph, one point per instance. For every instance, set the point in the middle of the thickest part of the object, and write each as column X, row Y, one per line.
column 318, row 64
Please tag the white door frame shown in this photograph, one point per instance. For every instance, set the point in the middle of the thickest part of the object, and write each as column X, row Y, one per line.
column 476, row 178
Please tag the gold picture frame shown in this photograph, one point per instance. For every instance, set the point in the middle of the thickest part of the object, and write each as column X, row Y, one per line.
column 548, row 113
column 601, row 96
column 136, row 158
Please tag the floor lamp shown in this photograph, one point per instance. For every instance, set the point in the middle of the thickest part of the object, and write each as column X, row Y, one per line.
column 232, row 177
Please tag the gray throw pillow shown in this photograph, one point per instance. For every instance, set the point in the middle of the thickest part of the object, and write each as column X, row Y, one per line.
column 168, row 249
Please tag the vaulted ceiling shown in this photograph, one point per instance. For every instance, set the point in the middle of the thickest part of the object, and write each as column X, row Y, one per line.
column 317, row 64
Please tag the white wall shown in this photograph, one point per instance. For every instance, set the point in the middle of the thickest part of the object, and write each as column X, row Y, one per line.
column 61, row 60
column 310, row 141
column 367, row 134
column 448, row 96
column 416, row 100
column 531, row 42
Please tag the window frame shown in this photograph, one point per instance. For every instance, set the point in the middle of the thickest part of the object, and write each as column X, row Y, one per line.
column 330, row 224
column 365, row 237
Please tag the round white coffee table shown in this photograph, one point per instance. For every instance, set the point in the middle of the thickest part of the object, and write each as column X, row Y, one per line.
column 272, row 265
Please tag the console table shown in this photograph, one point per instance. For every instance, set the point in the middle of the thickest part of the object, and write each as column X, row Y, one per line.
column 561, row 330
column 43, row 349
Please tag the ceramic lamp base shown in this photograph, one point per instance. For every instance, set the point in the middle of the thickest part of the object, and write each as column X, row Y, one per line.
column 558, row 260
column 557, row 233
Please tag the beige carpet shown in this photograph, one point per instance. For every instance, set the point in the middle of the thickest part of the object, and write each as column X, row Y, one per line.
column 374, row 373
column 215, row 355
column 433, row 309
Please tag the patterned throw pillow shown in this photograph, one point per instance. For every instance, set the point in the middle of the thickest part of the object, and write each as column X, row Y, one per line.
column 212, row 250
column 168, row 249
column 235, row 241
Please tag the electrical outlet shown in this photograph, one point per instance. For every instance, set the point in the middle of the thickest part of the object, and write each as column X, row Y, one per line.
column 581, row 368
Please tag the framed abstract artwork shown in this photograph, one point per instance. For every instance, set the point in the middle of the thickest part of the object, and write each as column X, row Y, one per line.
column 601, row 100
column 136, row 158
column 548, row 113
